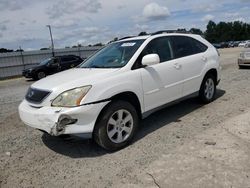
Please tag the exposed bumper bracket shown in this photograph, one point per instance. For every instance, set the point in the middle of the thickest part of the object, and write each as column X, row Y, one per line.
column 63, row 121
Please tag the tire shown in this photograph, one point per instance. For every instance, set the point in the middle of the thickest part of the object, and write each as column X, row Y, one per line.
column 40, row 75
column 208, row 89
column 116, row 125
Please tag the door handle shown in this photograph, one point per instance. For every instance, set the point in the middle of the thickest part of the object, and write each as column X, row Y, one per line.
column 204, row 59
column 177, row 66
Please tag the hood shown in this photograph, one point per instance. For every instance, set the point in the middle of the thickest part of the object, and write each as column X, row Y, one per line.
column 72, row 78
column 33, row 67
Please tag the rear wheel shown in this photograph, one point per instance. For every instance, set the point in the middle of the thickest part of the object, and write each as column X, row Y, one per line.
column 116, row 126
column 208, row 89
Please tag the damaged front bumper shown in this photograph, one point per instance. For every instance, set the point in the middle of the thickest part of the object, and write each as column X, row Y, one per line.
column 57, row 120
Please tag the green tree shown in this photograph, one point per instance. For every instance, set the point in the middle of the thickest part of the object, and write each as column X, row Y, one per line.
column 210, row 33
column 4, row 50
column 196, row 31
column 227, row 31
column 143, row 33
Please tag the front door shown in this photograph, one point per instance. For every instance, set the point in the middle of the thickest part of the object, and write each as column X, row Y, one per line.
column 162, row 83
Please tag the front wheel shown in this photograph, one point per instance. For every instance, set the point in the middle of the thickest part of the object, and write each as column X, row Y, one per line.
column 116, row 126
column 40, row 75
column 208, row 89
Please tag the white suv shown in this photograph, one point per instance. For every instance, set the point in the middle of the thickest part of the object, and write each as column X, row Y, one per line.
column 107, row 95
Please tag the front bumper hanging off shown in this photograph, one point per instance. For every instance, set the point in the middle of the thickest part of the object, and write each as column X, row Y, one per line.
column 59, row 120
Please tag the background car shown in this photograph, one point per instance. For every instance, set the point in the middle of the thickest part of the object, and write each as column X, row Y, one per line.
column 242, row 43
column 52, row 65
column 247, row 45
column 236, row 43
column 224, row 44
column 217, row 45
column 244, row 59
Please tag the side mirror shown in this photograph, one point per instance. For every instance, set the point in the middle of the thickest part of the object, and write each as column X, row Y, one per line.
column 150, row 59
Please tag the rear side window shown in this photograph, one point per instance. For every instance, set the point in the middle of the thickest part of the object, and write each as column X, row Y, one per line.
column 66, row 59
column 186, row 46
column 198, row 47
column 160, row 46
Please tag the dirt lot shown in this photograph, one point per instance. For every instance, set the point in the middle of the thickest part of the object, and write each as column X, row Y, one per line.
column 186, row 145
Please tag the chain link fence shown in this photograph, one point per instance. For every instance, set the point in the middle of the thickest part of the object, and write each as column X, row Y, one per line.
column 12, row 64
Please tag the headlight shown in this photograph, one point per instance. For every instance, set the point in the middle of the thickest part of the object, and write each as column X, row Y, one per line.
column 71, row 98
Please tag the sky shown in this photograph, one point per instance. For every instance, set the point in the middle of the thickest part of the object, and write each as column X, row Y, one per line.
column 23, row 22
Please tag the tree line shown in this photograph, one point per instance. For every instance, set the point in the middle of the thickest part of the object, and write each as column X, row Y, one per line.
column 227, row 31
column 221, row 32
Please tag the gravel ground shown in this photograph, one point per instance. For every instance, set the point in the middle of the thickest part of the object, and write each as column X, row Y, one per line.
column 186, row 145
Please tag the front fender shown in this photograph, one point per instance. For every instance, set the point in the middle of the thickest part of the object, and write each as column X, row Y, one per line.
column 125, row 82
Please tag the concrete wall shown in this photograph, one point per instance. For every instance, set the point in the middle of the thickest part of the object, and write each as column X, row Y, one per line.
column 12, row 64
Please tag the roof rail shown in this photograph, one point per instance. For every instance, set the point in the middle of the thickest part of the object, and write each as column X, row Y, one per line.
column 170, row 31
column 126, row 37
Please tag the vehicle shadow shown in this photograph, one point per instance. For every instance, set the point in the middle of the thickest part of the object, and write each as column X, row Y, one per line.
column 76, row 147
column 170, row 114
column 73, row 146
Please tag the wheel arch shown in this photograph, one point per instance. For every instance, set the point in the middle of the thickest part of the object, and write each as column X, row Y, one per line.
column 130, row 97
column 127, row 96
column 213, row 72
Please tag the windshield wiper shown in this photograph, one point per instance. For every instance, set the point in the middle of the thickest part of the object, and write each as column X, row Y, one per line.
column 100, row 67
column 97, row 66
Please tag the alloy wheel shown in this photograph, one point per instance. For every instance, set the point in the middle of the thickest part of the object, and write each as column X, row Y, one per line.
column 120, row 126
column 209, row 88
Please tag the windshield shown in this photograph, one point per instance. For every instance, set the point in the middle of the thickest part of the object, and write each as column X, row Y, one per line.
column 115, row 55
column 44, row 62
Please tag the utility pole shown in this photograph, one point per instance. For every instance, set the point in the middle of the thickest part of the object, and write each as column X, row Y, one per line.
column 52, row 43
column 21, row 52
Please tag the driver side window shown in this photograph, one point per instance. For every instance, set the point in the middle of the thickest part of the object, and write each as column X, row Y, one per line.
column 160, row 46
column 54, row 62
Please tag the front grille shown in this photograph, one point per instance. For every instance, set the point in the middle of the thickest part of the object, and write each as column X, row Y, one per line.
column 36, row 95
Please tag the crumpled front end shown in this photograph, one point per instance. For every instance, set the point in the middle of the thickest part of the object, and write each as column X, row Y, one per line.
column 58, row 120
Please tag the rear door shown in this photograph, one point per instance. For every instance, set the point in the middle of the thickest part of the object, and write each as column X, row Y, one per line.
column 189, row 54
column 54, row 66
column 161, row 82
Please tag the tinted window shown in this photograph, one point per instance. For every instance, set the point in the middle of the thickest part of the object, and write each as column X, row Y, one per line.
column 63, row 59
column 160, row 46
column 185, row 46
column 182, row 46
column 198, row 46
column 46, row 61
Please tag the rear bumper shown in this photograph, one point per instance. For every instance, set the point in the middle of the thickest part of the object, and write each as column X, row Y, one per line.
column 57, row 121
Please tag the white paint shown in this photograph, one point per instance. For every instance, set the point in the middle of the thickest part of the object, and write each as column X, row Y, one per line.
column 154, row 86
